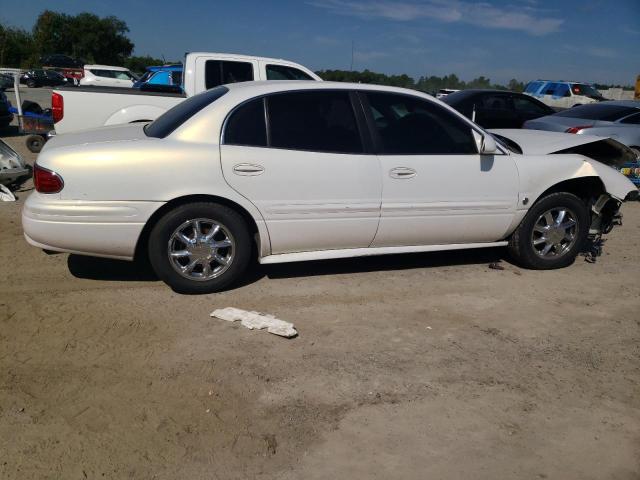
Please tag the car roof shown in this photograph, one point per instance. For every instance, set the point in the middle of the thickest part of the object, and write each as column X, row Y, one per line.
column 563, row 81
column 167, row 68
column 622, row 103
column 107, row 67
column 237, row 56
column 270, row 86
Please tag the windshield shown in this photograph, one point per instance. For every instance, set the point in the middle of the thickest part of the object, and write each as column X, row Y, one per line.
column 586, row 90
column 166, row 123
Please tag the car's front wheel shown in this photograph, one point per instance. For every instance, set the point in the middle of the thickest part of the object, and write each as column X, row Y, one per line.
column 200, row 247
column 552, row 233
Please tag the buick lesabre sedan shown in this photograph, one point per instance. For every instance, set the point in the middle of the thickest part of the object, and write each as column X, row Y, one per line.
column 308, row 171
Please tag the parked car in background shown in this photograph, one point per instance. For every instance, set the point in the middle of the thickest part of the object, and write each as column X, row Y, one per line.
column 107, row 76
column 313, row 171
column 562, row 94
column 5, row 115
column 443, row 92
column 83, row 108
column 6, row 81
column 497, row 108
column 161, row 75
column 42, row 78
column 60, row 61
column 619, row 119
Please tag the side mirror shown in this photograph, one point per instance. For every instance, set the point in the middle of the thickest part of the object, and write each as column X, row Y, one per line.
column 488, row 145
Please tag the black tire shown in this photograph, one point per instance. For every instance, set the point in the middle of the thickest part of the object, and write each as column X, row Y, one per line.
column 35, row 143
column 162, row 232
column 521, row 246
column 31, row 83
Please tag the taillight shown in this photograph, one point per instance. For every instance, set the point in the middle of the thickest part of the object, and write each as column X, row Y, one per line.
column 577, row 129
column 46, row 181
column 57, row 107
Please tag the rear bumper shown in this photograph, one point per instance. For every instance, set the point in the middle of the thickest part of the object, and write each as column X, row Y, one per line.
column 97, row 228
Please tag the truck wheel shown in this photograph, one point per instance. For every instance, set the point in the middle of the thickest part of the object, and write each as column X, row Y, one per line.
column 31, row 83
column 552, row 233
column 35, row 143
column 200, row 247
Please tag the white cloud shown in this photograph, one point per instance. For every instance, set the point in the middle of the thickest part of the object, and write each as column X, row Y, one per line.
column 599, row 52
column 526, row 18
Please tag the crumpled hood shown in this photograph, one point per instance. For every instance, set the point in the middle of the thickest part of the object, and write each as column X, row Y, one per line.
column 114, row 133
column 538, row 142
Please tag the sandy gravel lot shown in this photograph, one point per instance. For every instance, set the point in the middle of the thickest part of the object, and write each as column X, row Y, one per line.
column 406, row 367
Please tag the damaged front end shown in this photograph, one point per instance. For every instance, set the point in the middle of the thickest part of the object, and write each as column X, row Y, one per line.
column 605, row 209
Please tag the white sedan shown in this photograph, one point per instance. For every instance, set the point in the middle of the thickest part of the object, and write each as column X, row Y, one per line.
column 311, row 171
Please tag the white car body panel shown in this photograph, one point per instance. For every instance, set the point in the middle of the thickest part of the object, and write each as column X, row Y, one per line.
column 291, row 193
column 91, row 109
column 91, row 78
column 305, row 205
column 426, row 209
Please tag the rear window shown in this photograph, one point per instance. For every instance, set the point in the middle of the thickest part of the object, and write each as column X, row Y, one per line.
column 533, row 87
column 598, row 111
column 281, row 72
column 173, row 118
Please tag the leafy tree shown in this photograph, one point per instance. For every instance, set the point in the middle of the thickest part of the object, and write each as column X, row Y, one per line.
column 16, row 47
column 86, row 36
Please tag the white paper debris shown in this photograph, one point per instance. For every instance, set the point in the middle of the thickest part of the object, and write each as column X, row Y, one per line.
column 256, row 320
column 6, row 195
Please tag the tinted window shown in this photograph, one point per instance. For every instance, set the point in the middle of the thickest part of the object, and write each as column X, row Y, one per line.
column 176, row 78
column 316, row 121
column 412, row 126
column 176, row 116
column 549, row 89
column 495, row 102
column 598, row 111
column 246, row 125
column 280, row 72
column 102, row 73
column 526, row 105
column 218, row 72
column 633, row 119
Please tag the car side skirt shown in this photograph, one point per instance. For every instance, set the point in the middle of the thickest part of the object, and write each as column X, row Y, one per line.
column 366, row 252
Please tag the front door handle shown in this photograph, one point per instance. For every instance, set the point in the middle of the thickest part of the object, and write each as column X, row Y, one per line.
column 402, row 172
column 248, row 169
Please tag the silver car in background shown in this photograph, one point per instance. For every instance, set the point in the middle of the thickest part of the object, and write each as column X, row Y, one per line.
column 619, row 120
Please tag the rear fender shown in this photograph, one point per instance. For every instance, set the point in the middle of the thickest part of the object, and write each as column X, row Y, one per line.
column 135, row 113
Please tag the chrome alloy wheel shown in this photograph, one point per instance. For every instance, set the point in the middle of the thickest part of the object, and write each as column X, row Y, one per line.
column 555, row 232
column 201, row 249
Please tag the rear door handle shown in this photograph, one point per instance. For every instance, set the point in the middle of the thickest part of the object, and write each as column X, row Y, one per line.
column 248, row 169
column 402, row 172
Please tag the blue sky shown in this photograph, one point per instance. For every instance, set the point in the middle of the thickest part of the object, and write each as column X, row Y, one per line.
column 587, row 40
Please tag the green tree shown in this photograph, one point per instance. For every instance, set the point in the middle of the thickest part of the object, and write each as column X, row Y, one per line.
column 139, row 64
column 16, row 47
column 85, row 36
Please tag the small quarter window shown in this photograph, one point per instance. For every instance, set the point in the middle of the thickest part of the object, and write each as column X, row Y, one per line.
column 246, row 125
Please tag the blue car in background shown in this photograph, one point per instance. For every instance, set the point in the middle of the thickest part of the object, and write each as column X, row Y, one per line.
column 161, row 75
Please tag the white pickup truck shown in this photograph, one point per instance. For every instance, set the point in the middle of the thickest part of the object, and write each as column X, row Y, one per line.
column 81, row 108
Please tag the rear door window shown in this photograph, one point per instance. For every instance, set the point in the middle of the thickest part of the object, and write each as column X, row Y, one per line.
column 320, row 121
column 412, row 126
column 220, row 72
column 526, row 105
column 282, row 72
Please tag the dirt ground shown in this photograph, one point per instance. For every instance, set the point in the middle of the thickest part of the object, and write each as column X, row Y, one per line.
column 406, row 367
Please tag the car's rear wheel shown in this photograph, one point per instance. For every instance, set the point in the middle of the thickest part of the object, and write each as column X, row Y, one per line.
column 200, row 247
column 552, row 233
column 31, row 83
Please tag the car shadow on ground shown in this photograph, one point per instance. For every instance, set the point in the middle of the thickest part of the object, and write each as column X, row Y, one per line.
column 92, row 268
